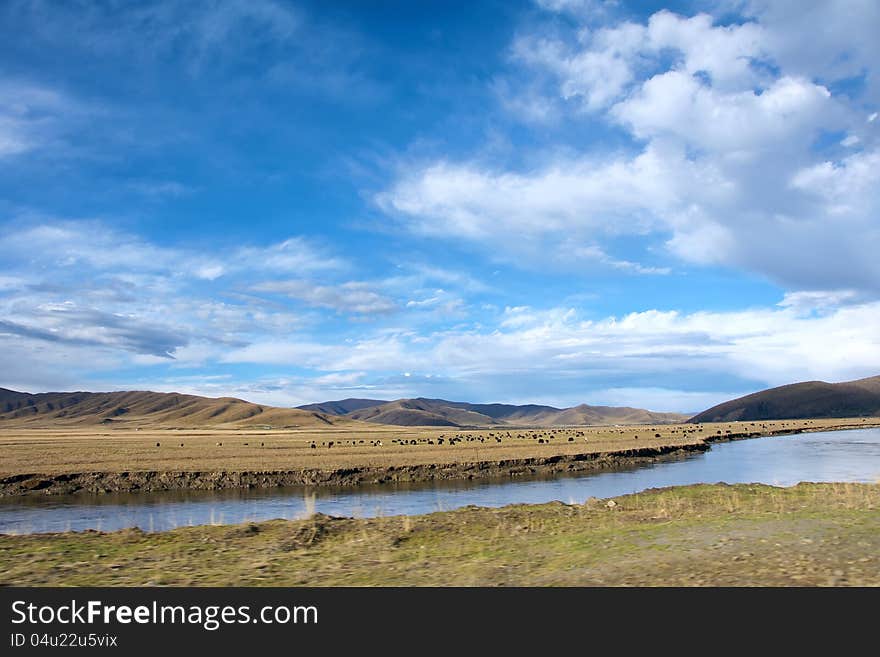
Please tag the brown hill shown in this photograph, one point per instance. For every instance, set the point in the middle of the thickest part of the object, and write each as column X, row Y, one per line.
column 421, row 412
column 811, row 399
column 343, row 406
column 585, row 414
column 153, row 409
column 440, row 412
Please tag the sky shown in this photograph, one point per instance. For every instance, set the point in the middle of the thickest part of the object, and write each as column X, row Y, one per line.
column 662, row 205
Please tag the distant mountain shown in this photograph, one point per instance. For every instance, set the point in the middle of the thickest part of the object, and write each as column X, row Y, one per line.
column 585, row 414
column 343, row 406
column 440, row 412
column 135, row 409
column 812, row 399
column 422, row 412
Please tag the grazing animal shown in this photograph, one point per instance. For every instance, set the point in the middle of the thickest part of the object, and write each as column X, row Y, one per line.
column 157, row 444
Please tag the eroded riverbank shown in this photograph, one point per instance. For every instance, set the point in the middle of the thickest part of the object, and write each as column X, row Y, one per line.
column 130, row 482
column 596, row 453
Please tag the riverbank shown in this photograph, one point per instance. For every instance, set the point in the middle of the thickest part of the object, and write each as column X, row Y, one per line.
column 718, row 535
column 64, row 462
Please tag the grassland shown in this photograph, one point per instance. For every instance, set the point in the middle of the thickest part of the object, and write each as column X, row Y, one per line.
column 52, row 460
column 808, row 535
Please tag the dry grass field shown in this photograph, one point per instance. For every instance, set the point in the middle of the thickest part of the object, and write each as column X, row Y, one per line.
column 96, row 449
column 744, row 535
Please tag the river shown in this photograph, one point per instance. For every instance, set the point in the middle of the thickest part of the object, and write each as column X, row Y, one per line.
column 835, row 456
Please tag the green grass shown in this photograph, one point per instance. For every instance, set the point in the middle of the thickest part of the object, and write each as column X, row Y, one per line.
column 811, row 534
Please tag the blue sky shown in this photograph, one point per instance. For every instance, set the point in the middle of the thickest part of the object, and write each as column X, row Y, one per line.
column 560, row 201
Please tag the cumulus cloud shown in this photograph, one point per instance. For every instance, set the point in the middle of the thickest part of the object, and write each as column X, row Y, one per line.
column 726, row 163
column 682, row 142
column 827, row 39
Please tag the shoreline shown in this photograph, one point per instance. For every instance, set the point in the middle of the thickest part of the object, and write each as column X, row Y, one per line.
column 155, row 481
column 701, row 534
column 103, row 482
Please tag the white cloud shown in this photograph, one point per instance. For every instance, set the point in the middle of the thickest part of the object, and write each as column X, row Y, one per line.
column 770, row 345
column 848, row 186
column 725, row 164
column 726, row 53
column 33, row 117
column 530, row 106
column 82, row 287
column 91, row 244
column 593, row 253
column 97, row 245
column 597, row 75
column 578, row 7
column 675, row 104
column 440, row 301
column 293, row 255
column 352, row 297
column 422, row 274
column 825, row 39
column 467, row 201
column 812, row 300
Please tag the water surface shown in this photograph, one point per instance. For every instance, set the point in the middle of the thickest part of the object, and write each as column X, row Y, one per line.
column 845, row 456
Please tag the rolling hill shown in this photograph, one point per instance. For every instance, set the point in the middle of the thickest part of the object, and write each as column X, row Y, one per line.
column 811, row 399
column 153, row 409
column 343, row 406
column 421, row 412
column 440, row 412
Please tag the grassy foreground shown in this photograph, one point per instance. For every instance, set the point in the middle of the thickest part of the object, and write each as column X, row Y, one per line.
column 811, row 534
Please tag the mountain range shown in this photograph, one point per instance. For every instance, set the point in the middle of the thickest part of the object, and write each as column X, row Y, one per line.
column 440, row 412
column 811, row 399
column 141, row 408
